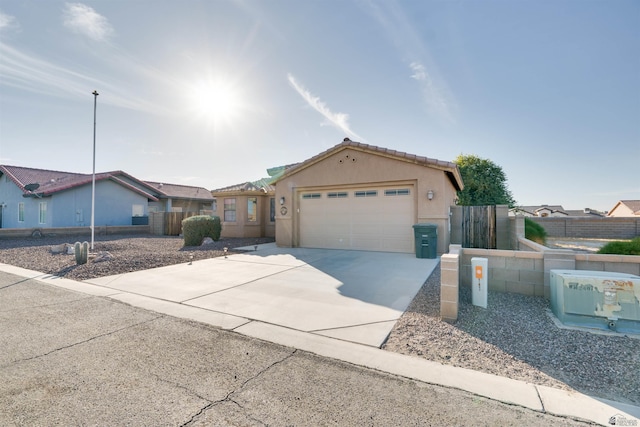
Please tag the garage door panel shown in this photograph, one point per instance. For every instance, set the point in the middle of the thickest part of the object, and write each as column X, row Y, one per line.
column 376, row 222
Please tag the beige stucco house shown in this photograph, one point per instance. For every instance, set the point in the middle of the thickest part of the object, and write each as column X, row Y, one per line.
column 362, row 197
column 626, row 208
column 246, row 210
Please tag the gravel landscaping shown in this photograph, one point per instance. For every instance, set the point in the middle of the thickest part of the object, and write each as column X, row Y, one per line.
column 126, row 253
column 514, row 337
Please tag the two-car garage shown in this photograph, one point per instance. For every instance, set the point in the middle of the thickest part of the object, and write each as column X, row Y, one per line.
column 362, row 197
column 368, row 218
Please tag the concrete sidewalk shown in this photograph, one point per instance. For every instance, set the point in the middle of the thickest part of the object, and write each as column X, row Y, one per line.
column 538, row 398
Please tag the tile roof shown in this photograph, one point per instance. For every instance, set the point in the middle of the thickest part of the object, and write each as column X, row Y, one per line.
column 450, row 168
column 51, row 182
column 633, row 205
column 262, row 185
column 176, row 191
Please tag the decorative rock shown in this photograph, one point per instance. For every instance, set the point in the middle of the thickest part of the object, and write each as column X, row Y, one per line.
column 102, row 256
column 70, row 249
column 59, row 249
column 206, row 241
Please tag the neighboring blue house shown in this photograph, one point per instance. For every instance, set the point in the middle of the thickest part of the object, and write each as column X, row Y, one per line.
column 37, row 198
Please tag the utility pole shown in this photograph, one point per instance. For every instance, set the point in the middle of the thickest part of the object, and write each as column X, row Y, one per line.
column 93, row 179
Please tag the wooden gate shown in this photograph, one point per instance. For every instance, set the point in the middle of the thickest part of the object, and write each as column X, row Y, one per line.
column 479, row 227
column 173, row 222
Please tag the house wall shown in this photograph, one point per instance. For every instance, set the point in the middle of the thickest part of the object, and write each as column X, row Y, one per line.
column 368, row 169
column 72, row 208
column 241, row 227
column 593, row 228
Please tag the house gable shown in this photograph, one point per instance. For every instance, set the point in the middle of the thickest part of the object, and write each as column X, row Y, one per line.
column 448, row 168
column 366, row 197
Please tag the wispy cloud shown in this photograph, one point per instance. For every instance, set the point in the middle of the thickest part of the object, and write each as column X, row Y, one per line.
column 338, row 120
column 33, row 74
column 7, row 21
column 83, row 19
column 415, row 53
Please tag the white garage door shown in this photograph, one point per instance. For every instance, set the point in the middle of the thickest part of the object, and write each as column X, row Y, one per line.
column 372, row 219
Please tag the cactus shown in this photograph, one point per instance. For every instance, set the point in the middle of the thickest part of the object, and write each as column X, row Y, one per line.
column 81, row 251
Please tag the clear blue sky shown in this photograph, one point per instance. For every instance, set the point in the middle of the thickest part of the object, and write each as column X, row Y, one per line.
column 212, row 93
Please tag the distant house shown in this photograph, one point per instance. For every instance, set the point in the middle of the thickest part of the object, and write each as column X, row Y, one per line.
column 39, row 198
column 180, row 198
column 545, row 211
column 626, row 208
column 540, row 211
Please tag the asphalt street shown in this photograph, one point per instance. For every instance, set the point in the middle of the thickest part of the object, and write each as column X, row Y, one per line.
column 68, row 358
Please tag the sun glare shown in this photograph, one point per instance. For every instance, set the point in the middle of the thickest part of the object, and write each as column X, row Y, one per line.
column 215, row 101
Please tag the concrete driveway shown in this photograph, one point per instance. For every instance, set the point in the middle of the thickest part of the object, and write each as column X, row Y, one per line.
column 354, row 296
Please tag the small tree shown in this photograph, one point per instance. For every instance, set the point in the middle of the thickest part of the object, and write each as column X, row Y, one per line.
column 485, row 183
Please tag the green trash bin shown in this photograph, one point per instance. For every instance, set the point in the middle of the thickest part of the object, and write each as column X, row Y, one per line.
column 426, row 237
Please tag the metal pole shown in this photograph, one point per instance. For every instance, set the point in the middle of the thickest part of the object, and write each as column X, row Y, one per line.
column 93, row 179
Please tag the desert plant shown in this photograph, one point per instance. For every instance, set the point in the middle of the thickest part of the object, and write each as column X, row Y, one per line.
column 534, row 231
column 631, row 247
column 198, row 227
column 81, row 251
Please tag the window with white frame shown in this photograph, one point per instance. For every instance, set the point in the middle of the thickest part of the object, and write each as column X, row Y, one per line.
column 21, row 212
column 230, row 210
column 42, row 217
column 137, row 210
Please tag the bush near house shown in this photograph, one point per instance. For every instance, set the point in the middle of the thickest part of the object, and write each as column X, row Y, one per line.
column 631, row 247
column 535, row 232
column 198, row 227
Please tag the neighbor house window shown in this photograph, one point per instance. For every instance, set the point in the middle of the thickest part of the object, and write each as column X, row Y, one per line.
column 214, row 205
column 230, row 210
column 252, row 209
column 43, row 213
column 137, row 210
column 21, row 212
column 272, row 209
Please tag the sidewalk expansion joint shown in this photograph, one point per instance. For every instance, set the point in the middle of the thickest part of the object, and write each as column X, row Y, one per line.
column 540, row 398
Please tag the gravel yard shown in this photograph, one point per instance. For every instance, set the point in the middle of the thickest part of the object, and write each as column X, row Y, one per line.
column 514, row 337
column 126, row 252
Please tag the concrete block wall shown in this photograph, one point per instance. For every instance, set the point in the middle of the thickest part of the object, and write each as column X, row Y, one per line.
column 590, row 228
column 449, row 287
column 156, row 223
column 509, row 271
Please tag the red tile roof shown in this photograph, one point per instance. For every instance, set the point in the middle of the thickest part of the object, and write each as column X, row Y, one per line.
column 51, row 182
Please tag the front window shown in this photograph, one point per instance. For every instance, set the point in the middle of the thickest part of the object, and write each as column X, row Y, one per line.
column 230, row 210
column 272, row 209
column 214, row 205
column 43, row 213
column 21, row 212
column 252, row 209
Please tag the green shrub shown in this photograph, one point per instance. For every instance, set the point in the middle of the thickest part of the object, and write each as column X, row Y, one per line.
column 631, row 247
column 198, row 227
column 535, row 232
